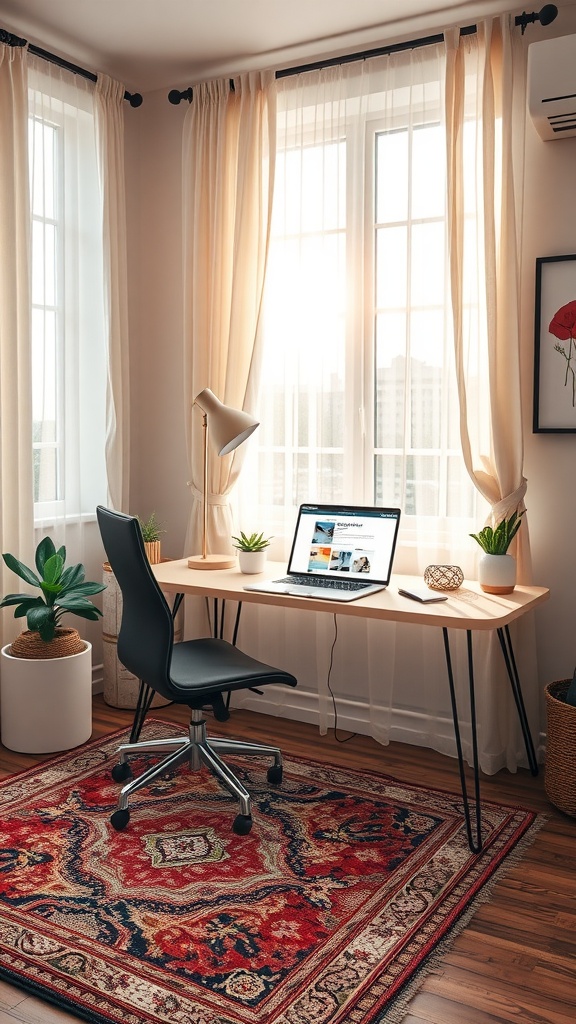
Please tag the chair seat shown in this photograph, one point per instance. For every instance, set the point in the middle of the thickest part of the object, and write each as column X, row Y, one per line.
column 211, row 666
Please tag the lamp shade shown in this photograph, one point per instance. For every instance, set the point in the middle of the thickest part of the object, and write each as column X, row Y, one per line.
column 228, row 428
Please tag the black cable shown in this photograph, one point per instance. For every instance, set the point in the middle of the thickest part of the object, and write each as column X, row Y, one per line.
column 351, row 736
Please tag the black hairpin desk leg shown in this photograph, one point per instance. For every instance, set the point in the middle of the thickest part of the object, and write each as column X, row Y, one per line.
column 475, row 844
column 510, row 661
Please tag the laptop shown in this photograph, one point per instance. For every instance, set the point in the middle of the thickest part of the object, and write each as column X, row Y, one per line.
column 339, row 553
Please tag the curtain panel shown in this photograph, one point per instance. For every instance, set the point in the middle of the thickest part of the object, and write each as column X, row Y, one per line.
column 16, row 519
column 229, row 153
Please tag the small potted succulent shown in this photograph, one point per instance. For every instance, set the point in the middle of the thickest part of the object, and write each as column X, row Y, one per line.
column 251, row 551
column 496, row 568
column 151, row 533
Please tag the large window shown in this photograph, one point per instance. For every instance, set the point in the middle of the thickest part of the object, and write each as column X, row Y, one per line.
column 68, row 350
column 358, row 397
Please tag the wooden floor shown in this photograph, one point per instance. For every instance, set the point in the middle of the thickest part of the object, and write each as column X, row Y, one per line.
column 514, row 962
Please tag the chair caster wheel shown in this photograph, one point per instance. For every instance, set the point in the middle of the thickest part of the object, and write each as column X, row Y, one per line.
column 274, row 774
column 121, row 771
column 120, row 819
column 242, row 824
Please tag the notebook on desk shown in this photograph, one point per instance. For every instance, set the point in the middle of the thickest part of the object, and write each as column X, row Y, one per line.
column 339, row 553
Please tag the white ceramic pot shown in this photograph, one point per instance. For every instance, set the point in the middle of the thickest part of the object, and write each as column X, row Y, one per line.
column 46, row 703
column 497, row 573
column 252, row 561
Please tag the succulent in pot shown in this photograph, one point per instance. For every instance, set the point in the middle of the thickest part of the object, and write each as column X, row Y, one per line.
column 151, row 533
column 496, row 568
column 63, row 590
column 252, row 551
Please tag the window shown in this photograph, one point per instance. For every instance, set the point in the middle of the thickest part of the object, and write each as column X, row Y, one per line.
column 358, row 394
column 68, row 339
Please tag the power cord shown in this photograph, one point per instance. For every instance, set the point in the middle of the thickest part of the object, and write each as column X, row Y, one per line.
column 340, row 739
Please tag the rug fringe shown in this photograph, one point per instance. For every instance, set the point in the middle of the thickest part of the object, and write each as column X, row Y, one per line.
column 396, row 1013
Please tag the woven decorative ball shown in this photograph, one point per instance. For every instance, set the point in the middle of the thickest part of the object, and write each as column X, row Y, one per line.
column 443, row 577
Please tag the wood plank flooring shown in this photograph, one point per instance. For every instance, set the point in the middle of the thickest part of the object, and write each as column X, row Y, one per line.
column 515, row 961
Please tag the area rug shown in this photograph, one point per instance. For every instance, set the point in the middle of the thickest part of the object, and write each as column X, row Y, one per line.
column 330, row 911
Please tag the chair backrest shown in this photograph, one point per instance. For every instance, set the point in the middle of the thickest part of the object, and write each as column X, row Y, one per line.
column 146, row 634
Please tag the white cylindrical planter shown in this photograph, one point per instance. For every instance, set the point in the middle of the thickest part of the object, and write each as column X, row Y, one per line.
column 46, row 703
column 497, row 573
column 252, row 561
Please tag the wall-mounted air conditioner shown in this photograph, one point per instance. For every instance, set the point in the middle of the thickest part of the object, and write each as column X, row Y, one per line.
column 552, row 87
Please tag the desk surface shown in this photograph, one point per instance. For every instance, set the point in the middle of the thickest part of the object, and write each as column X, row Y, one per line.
column 466, row 608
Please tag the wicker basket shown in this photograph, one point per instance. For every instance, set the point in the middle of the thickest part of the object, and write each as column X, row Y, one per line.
column 560, row 777
column 29, row 644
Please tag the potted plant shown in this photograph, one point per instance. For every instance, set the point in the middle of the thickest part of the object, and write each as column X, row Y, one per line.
column 560, row 776
column 251, row 551
column 151, row 533
column 496, row 568
column 46, row 688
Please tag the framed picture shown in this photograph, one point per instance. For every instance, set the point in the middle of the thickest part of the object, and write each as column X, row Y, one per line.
column 555, row 346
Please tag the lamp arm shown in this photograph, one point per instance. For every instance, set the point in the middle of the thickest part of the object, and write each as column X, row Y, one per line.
column 205, row 487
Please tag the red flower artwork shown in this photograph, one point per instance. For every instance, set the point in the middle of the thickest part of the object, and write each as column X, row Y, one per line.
column 563, row 326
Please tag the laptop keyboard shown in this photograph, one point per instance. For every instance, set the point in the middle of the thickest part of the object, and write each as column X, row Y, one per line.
column 325, row 584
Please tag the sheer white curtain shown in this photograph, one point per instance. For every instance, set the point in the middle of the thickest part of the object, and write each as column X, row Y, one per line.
column 229, row 151
column 485, row 124
column 16, row 520
column 109, row 96
column 359, row 399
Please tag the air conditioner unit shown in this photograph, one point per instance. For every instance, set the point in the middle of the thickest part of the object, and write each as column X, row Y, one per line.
column 552, row 87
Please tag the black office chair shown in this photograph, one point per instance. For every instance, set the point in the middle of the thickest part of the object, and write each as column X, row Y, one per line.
column 196, row 673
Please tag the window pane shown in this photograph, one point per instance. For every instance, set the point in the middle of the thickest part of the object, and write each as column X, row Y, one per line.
column 393, row 180
column 428, row 178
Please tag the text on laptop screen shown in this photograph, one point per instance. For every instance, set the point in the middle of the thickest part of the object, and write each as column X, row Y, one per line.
column 357, row 541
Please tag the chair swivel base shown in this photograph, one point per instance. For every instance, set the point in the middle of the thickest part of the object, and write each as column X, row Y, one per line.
column 196, row 749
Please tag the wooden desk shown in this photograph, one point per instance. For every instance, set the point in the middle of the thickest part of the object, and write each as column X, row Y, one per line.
column 466, row 609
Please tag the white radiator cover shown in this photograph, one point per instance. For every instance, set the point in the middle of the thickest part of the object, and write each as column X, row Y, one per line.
column 552, row 87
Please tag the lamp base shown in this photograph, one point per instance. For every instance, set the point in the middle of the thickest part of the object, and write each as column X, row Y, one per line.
column 212, row 562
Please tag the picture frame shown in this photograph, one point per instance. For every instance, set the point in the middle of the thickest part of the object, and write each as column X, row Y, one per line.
column 554, row 410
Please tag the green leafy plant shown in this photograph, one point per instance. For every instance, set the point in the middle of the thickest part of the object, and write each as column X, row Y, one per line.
column 151, row 529
column 496, row 540
column 254, row 542
column 63, row 590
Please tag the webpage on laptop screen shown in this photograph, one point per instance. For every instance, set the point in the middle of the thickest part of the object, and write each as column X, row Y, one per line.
column 359, row 543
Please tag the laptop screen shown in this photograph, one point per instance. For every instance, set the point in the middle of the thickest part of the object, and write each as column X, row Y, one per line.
column 334, row 539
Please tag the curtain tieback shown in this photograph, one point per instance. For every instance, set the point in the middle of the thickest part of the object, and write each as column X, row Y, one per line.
column 213, row 498
column 504, row 508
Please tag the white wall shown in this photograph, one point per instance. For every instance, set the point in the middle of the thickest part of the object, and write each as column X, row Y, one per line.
column 159, row 471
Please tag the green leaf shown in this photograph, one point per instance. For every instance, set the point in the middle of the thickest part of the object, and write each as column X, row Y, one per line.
column 38, row 616
column 21, row 570
column 71, row 576
column 25, row 599
column 53, row 567
column 84, row 589
column 79, row 605
column 44, row 551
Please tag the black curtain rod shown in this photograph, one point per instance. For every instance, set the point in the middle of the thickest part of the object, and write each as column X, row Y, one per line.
column 175, row 96
column 545, row 17
column 134, row 99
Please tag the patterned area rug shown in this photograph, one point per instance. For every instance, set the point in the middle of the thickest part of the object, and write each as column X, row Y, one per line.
column 329, row 911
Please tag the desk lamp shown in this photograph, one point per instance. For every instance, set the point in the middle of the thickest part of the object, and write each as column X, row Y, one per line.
column 228, row 429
